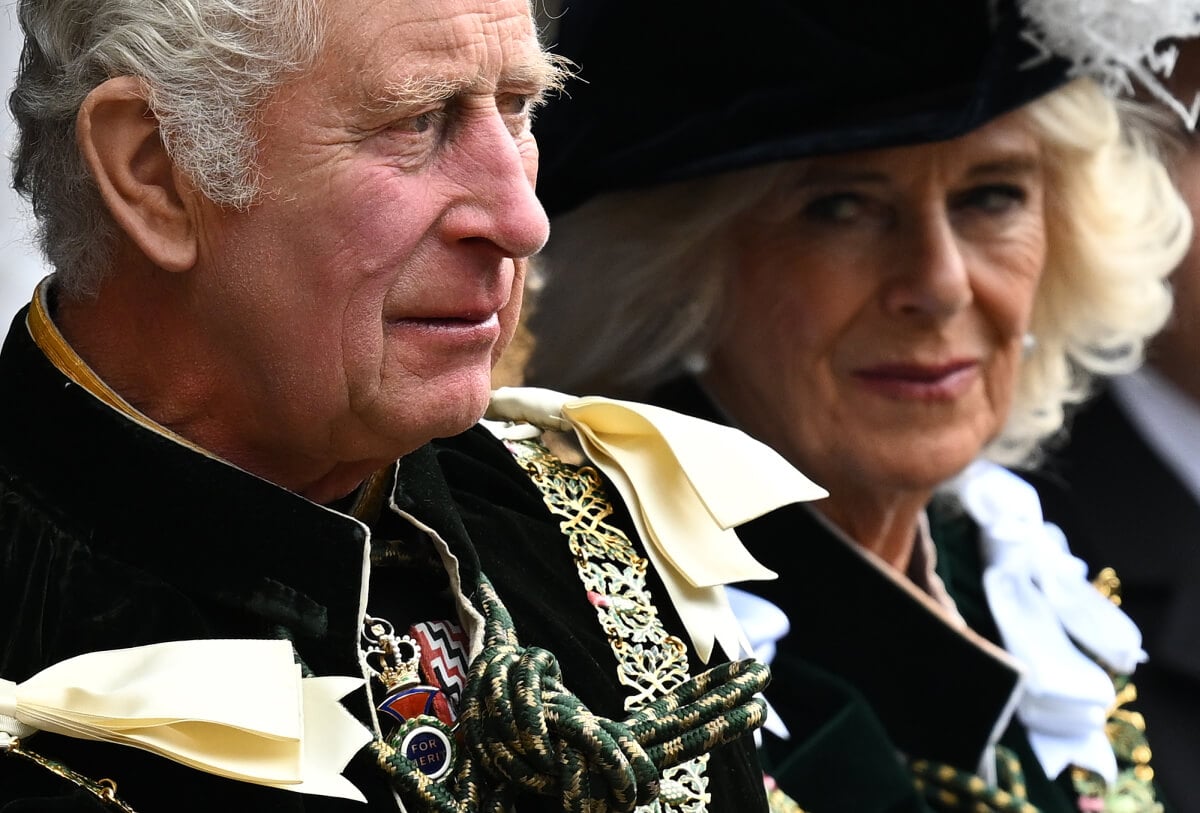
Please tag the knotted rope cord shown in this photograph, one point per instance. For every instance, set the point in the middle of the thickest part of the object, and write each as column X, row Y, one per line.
column 523, row 729
column 948, row 788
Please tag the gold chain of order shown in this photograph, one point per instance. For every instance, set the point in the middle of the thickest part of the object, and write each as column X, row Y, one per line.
column 103, row 789
column 650, row 661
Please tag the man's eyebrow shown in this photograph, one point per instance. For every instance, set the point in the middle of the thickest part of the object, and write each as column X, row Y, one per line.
column 537, row 77
column 546, row 72
column 413, row 92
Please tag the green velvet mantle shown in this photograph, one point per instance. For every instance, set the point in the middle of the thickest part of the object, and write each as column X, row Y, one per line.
column 868, row 674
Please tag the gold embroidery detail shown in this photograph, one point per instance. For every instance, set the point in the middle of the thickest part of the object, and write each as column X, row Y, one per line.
column 649, row 660
column 1133, row 791
column 1109, row 585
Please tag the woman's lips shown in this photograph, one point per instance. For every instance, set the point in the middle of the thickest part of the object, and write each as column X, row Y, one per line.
column 919, row 382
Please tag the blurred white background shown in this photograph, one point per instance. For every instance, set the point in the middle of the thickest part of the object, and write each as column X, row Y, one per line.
column 21, row 264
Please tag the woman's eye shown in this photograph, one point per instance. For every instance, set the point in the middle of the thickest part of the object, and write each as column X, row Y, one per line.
column 992, row 199
column 837, row 208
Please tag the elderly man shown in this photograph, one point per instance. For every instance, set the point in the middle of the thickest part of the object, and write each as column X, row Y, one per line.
column 289, row 240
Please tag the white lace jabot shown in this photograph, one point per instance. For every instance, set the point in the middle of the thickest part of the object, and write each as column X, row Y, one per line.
column 1048, row 614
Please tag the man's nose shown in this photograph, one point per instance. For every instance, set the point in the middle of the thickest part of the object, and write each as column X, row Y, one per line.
column 500, row 205
column 932, row 277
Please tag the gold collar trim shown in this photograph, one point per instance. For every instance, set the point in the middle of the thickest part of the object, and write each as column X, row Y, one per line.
column 51, row 342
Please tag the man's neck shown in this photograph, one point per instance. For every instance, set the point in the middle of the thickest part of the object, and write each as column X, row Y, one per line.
column 91, row 346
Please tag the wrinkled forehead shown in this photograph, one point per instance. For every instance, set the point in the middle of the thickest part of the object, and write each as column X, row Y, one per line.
column 466, row 43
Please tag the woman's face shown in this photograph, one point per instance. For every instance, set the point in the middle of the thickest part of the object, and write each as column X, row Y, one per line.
column 878, row 308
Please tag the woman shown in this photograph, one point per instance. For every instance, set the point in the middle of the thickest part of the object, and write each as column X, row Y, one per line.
column 894, row 245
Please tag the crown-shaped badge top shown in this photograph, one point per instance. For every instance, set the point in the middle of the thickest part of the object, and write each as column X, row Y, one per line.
column 396, row 660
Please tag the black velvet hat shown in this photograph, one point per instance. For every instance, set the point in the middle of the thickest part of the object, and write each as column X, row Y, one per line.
column 674, row 89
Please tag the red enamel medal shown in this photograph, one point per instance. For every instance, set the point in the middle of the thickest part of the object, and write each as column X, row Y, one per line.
column 424, row 731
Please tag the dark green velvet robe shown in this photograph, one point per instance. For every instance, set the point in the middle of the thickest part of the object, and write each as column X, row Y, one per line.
column 112, row 535
column 868, row 675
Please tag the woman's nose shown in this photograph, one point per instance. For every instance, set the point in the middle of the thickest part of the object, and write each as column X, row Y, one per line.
column 932, row 278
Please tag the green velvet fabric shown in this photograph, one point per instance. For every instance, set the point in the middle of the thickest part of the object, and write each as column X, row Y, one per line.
column 960, row 566
column 113, row 536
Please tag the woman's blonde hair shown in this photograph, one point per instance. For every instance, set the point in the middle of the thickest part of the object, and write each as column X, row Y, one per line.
column 1116, row 228
column 629, row 290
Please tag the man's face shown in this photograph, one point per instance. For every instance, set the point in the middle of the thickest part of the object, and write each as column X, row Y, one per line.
column 361, row 302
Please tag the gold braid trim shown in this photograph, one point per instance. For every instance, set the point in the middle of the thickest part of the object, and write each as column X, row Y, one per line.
column 650, row 661
column 103, row 789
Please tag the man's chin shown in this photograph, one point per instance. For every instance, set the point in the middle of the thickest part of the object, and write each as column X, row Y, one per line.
column 462, row 408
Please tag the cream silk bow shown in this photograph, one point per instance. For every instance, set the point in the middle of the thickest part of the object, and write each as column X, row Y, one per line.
column 1043, row 605
column 235, row 708
column 687, row 483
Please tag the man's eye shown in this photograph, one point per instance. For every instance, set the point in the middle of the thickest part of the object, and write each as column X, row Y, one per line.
column 420, row 123
column 522, row 105
column 514, row 104
column 517, row 110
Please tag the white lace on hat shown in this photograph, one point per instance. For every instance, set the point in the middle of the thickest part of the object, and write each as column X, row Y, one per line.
column 1116, row 42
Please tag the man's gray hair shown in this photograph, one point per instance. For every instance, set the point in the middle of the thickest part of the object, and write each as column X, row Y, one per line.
column 206, row 67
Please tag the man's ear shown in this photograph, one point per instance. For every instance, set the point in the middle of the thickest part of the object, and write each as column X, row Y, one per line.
column 120, row 142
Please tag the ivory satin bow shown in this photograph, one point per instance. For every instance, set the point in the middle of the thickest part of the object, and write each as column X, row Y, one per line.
column 235, row 708
column 687, row 483
column 1044, row 605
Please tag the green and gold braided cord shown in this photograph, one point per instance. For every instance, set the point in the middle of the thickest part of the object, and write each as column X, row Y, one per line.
column 523, row 730
column 948, row 788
